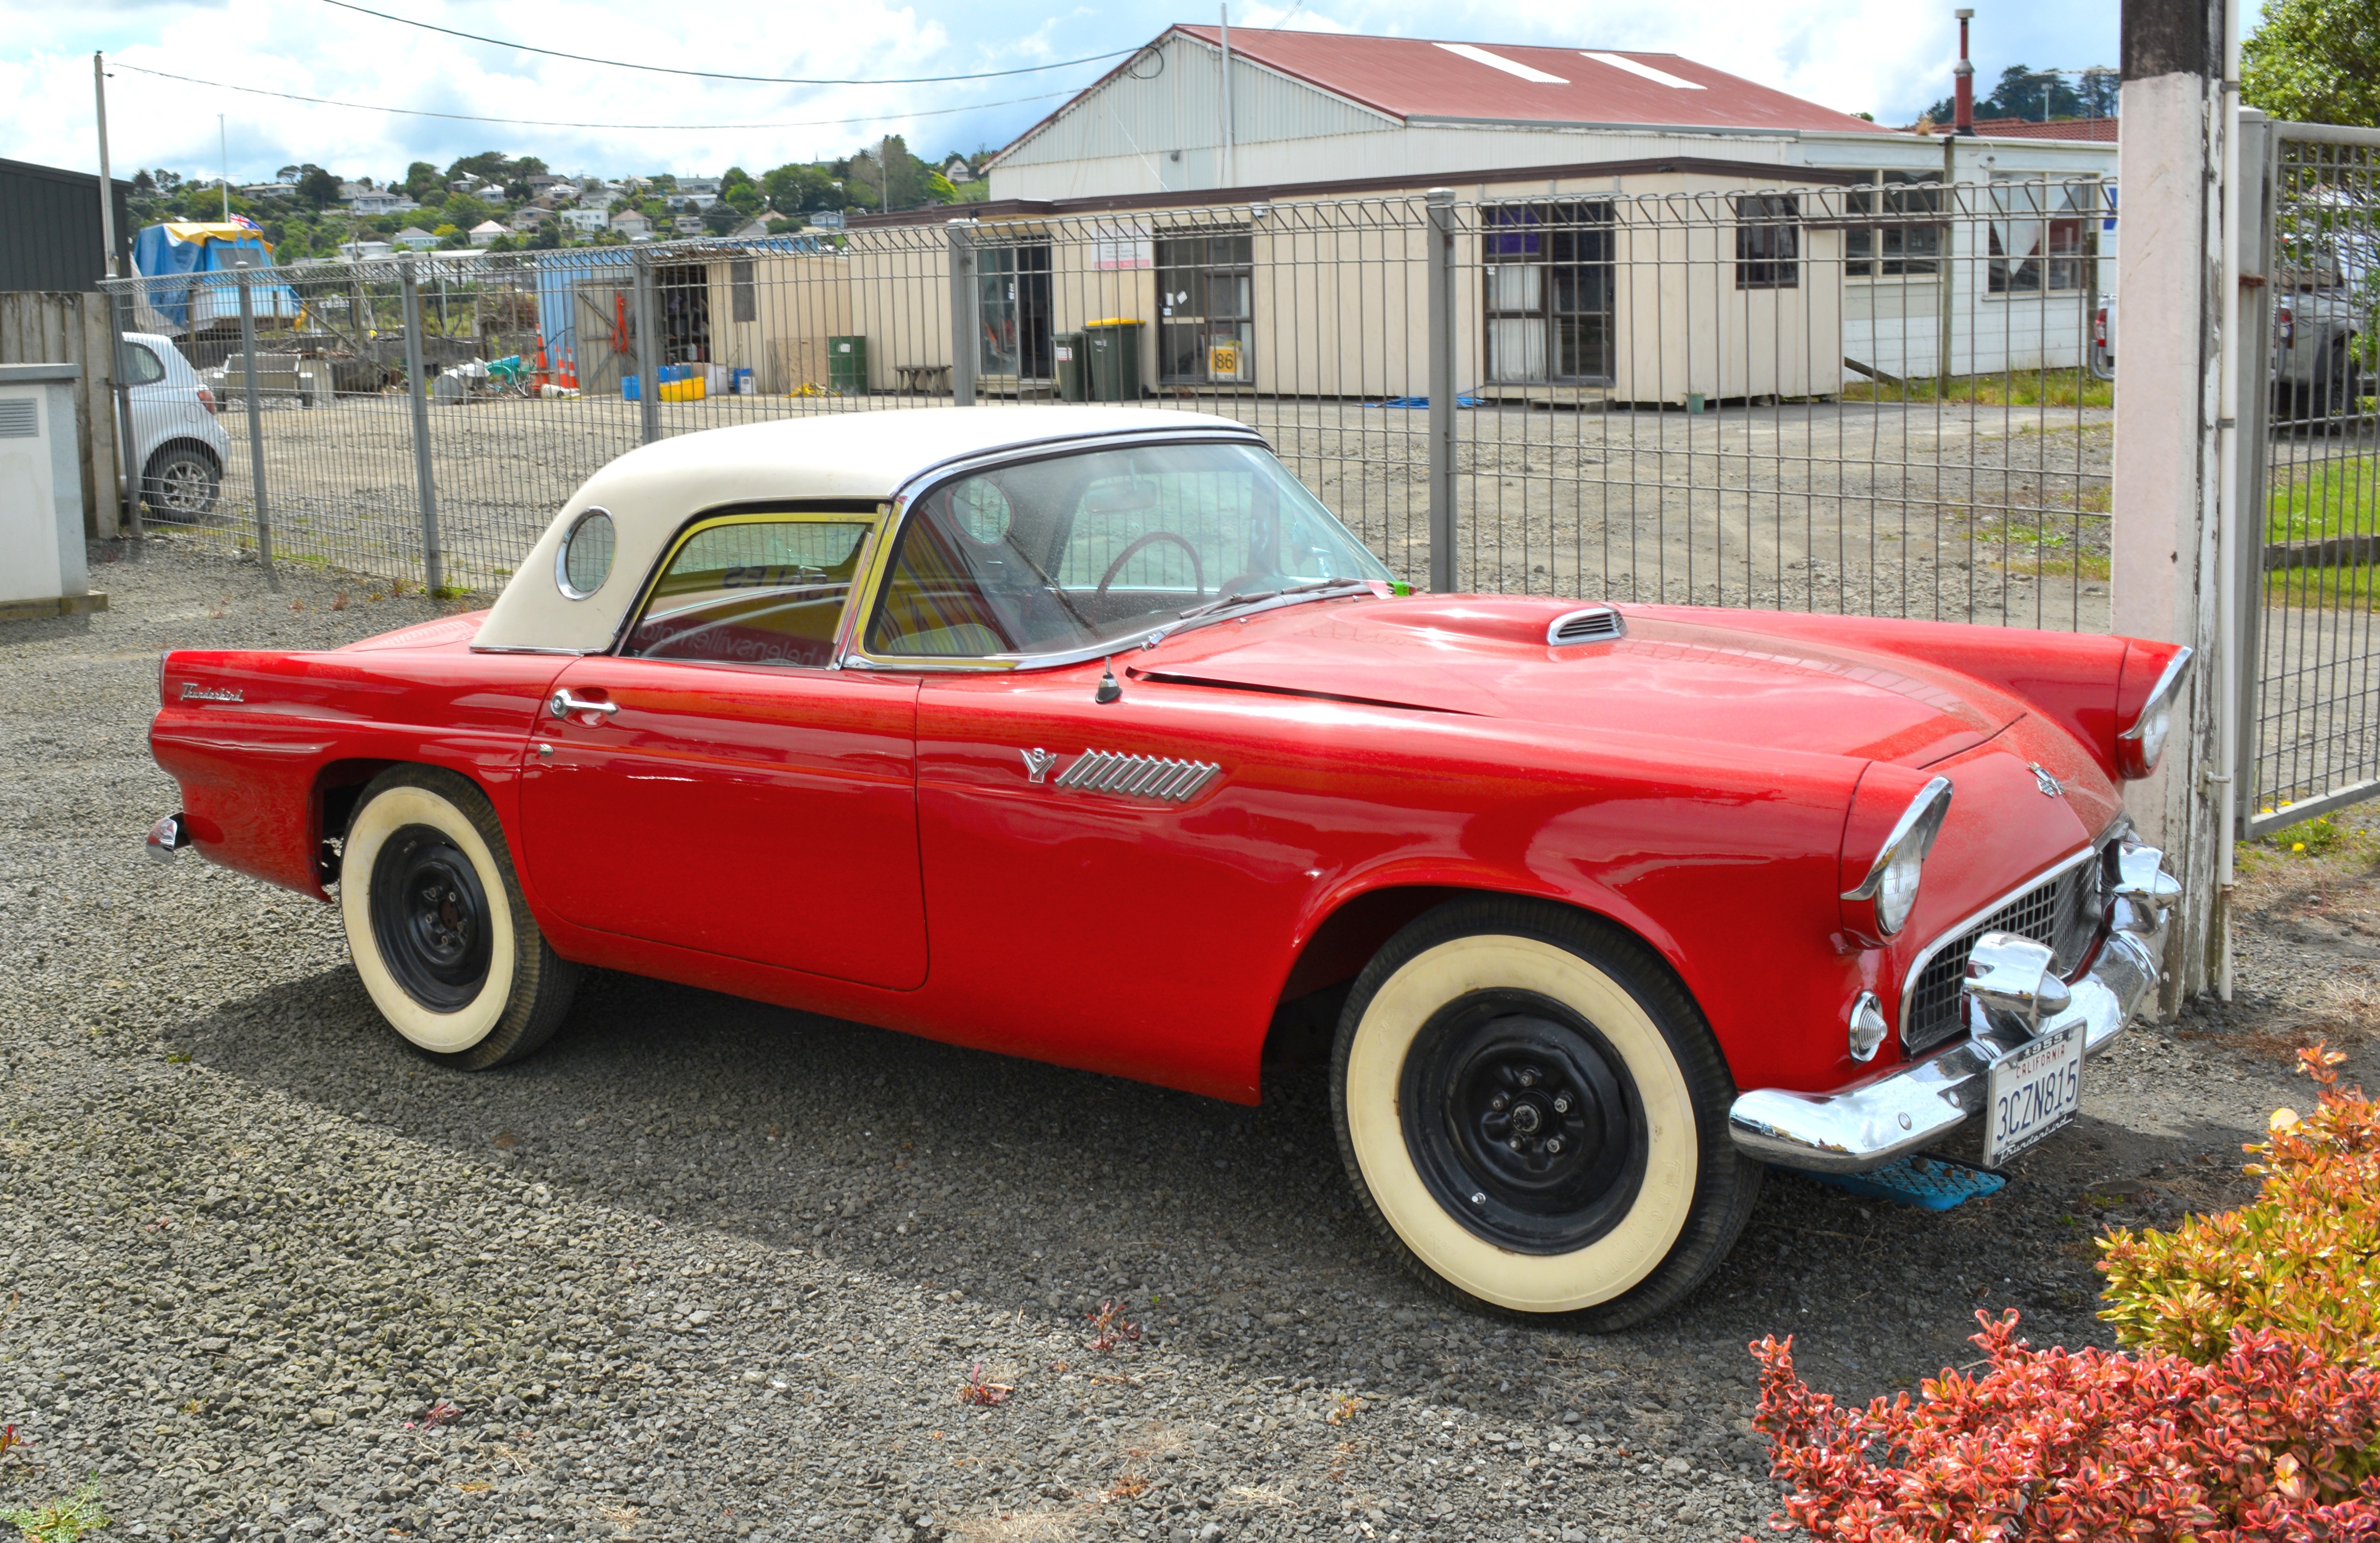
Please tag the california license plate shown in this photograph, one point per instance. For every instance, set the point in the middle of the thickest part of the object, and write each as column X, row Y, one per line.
column 2034, row 1091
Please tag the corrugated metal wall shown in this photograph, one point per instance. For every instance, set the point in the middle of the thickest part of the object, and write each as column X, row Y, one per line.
column 1171, row 99
column 49, row 229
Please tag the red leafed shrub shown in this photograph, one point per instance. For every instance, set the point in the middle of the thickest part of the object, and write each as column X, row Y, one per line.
column 2269, row 1443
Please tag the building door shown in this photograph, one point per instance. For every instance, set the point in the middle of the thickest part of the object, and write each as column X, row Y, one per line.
column 1014, row 282
column 1547, row 272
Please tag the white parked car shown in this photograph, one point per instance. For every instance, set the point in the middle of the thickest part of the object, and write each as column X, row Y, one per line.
column 178, row 446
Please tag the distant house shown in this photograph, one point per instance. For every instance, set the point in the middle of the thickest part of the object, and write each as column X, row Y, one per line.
column 708, row 185
column 688, row 225
column 542, row 182
column 680, row 202
column 751, row 230
column 358, row 251
column 368, row 201
column 825, row 219
column 587, row 220
column 485, row 233
column 269, row 190
column 957, row 169
column 415, row 237
column 526, row 219
column 632, row 225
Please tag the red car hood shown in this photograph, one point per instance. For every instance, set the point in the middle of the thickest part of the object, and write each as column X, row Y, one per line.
column 1698, row 679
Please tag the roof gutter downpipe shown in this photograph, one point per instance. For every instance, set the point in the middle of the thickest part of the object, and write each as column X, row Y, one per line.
column 1964, row 117
column 1231, row 173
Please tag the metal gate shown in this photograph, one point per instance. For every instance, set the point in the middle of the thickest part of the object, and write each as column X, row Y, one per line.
column 2309, row 645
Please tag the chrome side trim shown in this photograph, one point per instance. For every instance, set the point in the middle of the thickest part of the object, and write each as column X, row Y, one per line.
column 1176, row 781
column 1917, row 1105
column 1969, row 923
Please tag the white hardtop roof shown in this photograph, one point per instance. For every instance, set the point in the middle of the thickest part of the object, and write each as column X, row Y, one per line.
column 653, row 491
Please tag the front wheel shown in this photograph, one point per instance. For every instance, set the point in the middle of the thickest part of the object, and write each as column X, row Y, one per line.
column 438, row 926
column 1535, row 1112
column 180, row 483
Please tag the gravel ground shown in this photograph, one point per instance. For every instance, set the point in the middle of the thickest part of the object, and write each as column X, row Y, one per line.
column 705, row 1268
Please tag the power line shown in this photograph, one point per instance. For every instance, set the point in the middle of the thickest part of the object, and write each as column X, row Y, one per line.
column 715, row 75
column 549, row 123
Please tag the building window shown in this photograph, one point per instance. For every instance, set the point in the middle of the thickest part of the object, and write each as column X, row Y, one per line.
column 2041, row 233
column 1769, row 241
column 744, row 295
column 1875, row 245
column 1206, row 287
column 1546, row 281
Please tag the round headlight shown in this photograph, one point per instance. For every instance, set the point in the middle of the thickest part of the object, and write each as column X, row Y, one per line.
column 2138, row 747
column 1897, row 895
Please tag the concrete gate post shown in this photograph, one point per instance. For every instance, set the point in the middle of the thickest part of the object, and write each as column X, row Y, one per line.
column 2173, row 285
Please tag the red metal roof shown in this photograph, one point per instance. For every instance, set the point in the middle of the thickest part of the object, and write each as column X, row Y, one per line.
column 1420, row 78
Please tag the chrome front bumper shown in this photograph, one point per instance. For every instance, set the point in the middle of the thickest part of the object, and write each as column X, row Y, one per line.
column 1922, row 1103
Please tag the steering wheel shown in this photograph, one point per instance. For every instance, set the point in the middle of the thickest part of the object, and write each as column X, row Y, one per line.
column 1197, row 569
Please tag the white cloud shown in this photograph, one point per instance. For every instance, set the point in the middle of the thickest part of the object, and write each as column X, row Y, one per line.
column 1878, row 56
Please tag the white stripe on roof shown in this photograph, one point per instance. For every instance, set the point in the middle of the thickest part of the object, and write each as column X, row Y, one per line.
column 1621, row 62
column 1497, row 61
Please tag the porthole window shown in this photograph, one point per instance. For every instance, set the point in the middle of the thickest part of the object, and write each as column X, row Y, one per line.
column 585, row 560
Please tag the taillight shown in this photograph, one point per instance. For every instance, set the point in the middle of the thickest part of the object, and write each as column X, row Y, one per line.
column 207, row 400
column 2285, row 321
column 2099, row 327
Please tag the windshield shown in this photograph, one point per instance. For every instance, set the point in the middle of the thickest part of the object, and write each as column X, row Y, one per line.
column 1076, row 551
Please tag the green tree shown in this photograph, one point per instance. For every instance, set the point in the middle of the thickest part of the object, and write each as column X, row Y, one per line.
column 2316, row 61
column 745, row 198
column 420, row 179
column 490, row 163
column 797, row 187
column 462, row 211
column 316, row 188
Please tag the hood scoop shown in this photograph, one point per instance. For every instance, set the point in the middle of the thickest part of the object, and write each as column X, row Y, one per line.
column 1595, row 624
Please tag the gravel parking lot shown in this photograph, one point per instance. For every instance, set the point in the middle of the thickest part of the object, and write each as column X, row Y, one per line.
column 705, row 1268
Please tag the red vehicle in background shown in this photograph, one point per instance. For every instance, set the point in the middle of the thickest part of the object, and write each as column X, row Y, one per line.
column 1089, row 736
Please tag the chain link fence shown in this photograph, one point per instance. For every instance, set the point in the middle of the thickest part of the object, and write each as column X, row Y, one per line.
column 1854, row 395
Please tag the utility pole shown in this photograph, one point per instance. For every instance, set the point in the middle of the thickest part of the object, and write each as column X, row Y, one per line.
column 223, row 148
column 1231, row 174
column 106, row 184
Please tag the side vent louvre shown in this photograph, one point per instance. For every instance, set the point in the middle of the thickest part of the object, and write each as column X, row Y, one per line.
column 1597, row 623
column 20, row 418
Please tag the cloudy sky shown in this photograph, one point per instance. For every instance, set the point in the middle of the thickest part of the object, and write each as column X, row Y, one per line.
column 1890, row 57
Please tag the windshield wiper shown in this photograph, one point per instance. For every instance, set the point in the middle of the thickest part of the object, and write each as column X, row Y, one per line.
column 1256, row 596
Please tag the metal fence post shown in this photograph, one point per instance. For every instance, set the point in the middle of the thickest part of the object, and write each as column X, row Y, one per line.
column 255, row 415
column 1440, row 270
column 2259, row 151
column 433, row 556
column 130, row 475
column 966, row 303
column 649, row 396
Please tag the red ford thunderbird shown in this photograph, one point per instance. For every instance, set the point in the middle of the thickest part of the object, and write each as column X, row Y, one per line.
column 1610, row 906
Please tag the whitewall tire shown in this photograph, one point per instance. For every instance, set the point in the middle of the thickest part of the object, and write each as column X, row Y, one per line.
column 1534, row 1111
column 438, row 927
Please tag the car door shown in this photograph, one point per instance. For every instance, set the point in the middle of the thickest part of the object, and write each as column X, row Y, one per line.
column 150, row 397
column 717, row 783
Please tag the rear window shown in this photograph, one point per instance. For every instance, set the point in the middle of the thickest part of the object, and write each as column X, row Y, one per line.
column 141, row 365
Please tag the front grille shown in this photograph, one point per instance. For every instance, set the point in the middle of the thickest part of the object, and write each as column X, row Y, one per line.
column 2062, row 911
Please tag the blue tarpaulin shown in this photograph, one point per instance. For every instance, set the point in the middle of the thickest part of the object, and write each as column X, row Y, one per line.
column 169, row 253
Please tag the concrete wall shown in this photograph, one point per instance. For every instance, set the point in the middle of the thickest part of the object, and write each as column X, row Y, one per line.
column 67, row 327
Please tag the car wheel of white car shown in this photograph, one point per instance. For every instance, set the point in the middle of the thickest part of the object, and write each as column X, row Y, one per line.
column 438, row 927
column 180, row 483
column 1535, row 1112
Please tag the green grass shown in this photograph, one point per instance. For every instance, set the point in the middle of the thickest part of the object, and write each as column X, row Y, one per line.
column 2335, row 497
column 2019, row 388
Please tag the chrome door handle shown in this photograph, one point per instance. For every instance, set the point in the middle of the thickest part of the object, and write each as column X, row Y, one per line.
column 562, row 704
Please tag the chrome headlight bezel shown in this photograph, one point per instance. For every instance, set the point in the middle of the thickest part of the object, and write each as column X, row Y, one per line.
column 1879, row 906
column 2141, row 744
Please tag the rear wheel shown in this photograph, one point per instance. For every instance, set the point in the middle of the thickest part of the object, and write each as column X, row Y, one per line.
column 180, row 483
column 438, row 927
column 1535, row 1112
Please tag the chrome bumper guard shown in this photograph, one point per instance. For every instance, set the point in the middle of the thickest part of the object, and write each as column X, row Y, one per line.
column 1921, row 1103
column 168, row 836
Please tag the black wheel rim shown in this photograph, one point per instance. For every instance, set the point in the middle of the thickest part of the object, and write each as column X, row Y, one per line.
column 1523, row 1122
column 430, row 917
